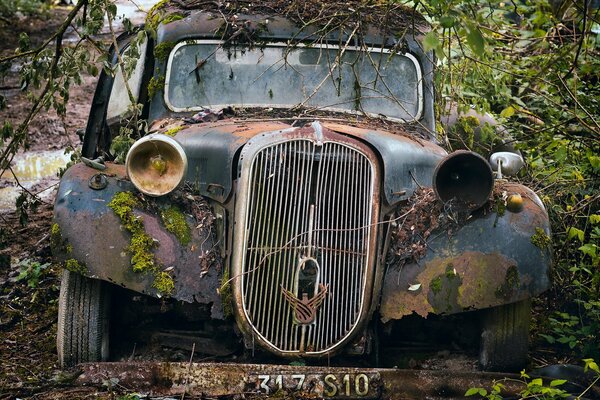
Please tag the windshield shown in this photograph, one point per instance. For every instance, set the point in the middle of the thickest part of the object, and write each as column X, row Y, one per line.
column 204, row 74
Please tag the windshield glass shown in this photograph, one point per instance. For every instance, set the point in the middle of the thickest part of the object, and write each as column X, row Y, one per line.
column 204, row 74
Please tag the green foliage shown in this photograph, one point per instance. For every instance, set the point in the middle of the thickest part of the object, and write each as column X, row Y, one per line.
column 534, row 388
column 26, row 204
column 537, row 67
column 31, row 271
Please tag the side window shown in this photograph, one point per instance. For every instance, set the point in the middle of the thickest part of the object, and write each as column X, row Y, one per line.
column 119, row 101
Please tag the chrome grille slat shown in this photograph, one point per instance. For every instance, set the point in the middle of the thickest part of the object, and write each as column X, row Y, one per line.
column 284, row 180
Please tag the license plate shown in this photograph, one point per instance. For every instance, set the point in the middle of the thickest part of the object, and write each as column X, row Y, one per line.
column 335, row 385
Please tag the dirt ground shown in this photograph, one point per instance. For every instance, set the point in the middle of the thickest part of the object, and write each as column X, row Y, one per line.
column 29, row 282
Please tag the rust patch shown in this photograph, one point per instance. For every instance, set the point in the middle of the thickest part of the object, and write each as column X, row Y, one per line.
column 531, row 215
column 226, row 379
column 453, row 284
column 404, row 136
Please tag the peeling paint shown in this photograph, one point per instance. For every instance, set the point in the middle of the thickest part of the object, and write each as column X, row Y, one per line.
column 452, row 284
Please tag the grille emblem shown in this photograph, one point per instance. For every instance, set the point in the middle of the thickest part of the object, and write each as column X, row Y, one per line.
column 305, row 309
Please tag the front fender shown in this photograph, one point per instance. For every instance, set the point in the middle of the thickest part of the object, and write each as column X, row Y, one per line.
column 89, row 238
column 491, row 260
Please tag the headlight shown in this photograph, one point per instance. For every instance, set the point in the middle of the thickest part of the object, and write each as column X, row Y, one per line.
column 156, row 164
column 465, row 178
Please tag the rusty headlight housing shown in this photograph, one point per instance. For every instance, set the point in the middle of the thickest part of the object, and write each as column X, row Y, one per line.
column 156, row 164
column 465, row 179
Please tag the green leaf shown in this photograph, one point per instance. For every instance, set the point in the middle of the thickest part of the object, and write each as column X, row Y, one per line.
column 548, row 338
column 590, row 364
column 475, row 40
column 472, row 391
column 589, row 249
column 573, row 232
column 595, row 162
column 507, row 112
column 594, row 219
column 431, row 41
column 536, row 382
column 558, row 382
column 447, row 21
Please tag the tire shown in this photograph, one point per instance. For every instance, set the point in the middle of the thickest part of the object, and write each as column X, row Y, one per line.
column 505, row 337
column 82, row 320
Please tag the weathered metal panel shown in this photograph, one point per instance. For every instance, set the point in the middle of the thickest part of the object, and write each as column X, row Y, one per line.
column 408, row 161
column 216, row 379
column 92, row 234
column 490, row 261
column 211, row 149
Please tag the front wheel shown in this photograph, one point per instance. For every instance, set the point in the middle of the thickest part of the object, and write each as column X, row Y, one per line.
column 505, row 337
column 82, row 320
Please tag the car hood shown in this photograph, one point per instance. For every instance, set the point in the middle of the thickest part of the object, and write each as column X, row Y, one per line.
column 212, row 150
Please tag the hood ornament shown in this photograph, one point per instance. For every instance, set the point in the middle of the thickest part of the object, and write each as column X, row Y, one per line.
column 305, row 309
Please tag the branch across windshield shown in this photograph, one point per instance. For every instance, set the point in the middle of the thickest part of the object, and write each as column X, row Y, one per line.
column 205, row 74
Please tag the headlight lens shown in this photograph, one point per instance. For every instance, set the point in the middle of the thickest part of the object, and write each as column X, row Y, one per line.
column 156, row 164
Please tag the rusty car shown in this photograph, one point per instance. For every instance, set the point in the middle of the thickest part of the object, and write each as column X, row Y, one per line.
column 292, row 199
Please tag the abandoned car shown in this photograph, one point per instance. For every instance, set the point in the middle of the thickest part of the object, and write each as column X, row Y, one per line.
column 292, row 199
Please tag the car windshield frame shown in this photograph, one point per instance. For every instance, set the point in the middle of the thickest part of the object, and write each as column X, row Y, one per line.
column 219, row 46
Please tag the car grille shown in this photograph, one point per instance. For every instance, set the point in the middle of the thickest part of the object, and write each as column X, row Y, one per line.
column 307, row 200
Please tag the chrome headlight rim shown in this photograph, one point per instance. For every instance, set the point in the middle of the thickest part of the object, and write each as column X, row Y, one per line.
column 166, row 144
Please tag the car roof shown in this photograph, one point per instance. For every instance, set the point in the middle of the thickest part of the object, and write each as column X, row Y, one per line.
column 357, row 20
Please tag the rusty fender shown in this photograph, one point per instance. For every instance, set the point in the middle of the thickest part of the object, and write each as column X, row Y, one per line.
column 88, row 231
column 492, row 260
column 222, row 379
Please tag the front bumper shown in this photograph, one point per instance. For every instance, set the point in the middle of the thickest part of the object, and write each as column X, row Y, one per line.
column 215, row 380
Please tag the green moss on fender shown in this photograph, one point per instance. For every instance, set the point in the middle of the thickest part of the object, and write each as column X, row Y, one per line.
column 163, row 282
column 56, row 240
column 175, row 223
column 75, row 266
column 140, row 248
column 540, row 239
column 141, row 244
column 436, row 284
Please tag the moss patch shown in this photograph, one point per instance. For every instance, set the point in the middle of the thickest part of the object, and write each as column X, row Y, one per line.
column 511, row 283
column 436, row 284
column 158, row 15
column 173, row 131
column 226, row 294
column 162, row 50
column 75, row 266
column 141, row 245
column 163, row 282
column 175, row 223
column 156, row 84
column 540, row 239
column 171, row 18
column 56, row 241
